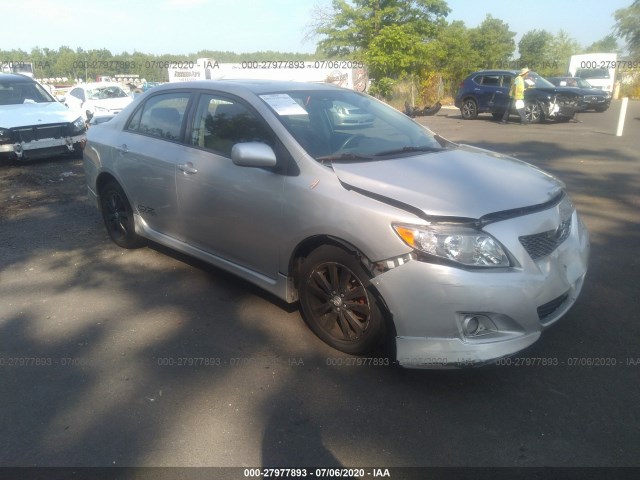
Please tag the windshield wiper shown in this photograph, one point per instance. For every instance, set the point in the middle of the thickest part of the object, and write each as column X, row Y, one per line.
column 343, row 157
column 408, row 149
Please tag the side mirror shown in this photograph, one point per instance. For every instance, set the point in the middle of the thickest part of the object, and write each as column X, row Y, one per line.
column 253, row 154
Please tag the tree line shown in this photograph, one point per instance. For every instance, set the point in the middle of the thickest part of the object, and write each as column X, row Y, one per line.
column 396, row 39
column 88, row 64
column 411, row 39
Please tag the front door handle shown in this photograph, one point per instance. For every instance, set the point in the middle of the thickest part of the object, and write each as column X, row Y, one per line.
column 123, row 148
column 187, row 168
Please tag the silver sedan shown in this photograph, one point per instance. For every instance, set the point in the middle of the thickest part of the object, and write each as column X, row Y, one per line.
column 388, row 235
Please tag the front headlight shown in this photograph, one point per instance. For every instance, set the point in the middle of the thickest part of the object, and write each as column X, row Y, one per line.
column 78, row 126
column 463, row 245
column 5, row 135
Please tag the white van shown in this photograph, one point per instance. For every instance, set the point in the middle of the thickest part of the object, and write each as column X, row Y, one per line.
column 599, row 69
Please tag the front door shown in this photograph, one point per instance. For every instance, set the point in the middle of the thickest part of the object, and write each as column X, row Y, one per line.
column 231, row 211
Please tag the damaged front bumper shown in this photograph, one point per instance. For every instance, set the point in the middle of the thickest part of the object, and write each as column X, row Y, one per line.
column 448, row 317
column 43, row 147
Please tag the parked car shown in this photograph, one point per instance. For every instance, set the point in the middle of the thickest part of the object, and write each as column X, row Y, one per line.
column 33, row 124
column 593, row 98
column 487, row 91
column 101, row 98
column 389, row 232
column 346, row 115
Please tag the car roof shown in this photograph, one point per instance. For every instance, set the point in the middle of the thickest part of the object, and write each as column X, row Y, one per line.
column 96, row 85
column 497, row 72
column 15, row 78
column 254, row 86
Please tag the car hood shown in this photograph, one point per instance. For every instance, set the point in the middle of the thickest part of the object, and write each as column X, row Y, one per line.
column 110, row 103
column 581, row 91
column 554, row 90
column 466, row 182
column 34, row 114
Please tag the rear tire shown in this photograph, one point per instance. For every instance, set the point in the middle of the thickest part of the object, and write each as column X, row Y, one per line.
column 337, row 302
column 118, row 216
column 469, row 109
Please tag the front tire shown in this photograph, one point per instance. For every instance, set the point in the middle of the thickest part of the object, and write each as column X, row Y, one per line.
column 469, row 109
column 118, row 216
column 337, row 301
column 533, row 112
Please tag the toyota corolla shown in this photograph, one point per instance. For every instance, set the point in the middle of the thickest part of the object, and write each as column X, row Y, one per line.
column 385, row 234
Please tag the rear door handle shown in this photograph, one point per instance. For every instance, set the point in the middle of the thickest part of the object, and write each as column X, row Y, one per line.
column 123, row 148
column 187, row 168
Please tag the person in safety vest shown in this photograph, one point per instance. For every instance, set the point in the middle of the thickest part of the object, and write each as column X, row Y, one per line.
column 516, row 95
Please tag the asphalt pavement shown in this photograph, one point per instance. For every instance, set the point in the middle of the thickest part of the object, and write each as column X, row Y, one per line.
column 112, row 357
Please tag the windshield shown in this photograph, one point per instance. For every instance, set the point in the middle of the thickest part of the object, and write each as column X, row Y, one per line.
column 601, row 73
column 16, row 93
column 533, row 80
column 103, row 93
column 334, row 125
column 583, row 83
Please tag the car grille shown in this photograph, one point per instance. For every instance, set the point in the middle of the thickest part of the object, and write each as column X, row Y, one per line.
column 593, row 98
column 40, row 132
column 564, row 100
column 542, row 244
column 549, row 308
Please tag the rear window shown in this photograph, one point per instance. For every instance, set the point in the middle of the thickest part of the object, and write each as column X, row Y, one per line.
column 161, row 116
column 491, row 80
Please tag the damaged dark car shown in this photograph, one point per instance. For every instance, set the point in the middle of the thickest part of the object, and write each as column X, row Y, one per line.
column 487, row 91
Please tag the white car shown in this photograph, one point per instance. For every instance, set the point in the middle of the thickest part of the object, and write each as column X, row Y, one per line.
column 103, row 98
column 33, row 124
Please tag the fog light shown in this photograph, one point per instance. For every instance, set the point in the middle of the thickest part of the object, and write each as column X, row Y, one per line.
column 477, row 325
column 471, row 325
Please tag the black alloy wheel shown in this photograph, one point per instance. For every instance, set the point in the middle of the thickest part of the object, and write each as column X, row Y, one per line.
column 336, row 301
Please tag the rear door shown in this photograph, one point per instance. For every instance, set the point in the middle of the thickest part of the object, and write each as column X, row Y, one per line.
column 151, row 147
column 501, row 99
column 486, row 90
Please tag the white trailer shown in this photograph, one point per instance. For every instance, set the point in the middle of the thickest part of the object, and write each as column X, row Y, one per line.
column 346, row 74
column 24, row 68
column 599, row 69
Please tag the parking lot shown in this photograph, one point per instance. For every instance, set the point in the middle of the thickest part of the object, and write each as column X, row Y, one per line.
column 115, row 357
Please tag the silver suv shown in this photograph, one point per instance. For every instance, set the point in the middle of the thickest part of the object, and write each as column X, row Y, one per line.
column 382, row 230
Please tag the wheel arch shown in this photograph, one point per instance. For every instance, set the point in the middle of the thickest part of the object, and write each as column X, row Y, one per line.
column 310, row 244
column 104, row 178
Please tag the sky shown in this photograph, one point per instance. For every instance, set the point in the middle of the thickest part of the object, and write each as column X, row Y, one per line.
column 180, row 27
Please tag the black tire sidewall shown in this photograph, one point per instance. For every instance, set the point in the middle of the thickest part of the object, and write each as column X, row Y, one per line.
column 131, row 239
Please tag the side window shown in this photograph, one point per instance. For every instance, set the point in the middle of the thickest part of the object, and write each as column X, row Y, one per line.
column 162, row 116
column 506, row 81
column 220, row 123
column 491, row 80
column 78, row 93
